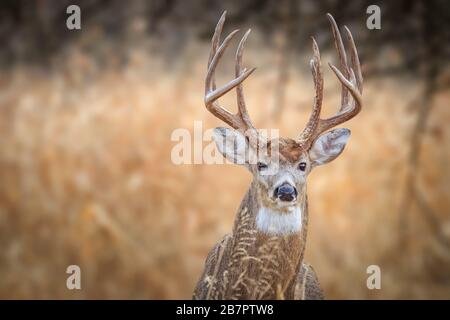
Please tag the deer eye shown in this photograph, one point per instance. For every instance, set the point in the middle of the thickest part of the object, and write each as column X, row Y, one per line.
column 261, row 166
column 302, row 166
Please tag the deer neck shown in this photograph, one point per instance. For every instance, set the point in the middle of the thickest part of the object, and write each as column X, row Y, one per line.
column 281, row 235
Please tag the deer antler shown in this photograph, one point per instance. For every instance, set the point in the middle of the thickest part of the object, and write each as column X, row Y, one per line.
column 240, row 120
column 352, row 84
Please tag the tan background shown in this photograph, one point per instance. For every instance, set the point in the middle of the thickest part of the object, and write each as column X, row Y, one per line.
column 85, row 171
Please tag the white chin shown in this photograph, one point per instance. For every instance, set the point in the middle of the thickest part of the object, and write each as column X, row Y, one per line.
column 275, row 222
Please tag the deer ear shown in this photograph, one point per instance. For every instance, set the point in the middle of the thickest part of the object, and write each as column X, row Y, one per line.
column 232, row 145
column 328, row 146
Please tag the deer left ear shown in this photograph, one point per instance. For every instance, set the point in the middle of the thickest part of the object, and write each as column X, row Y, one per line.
column 328, row 146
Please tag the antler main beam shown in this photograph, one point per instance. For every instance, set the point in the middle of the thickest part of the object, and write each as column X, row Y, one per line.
column 240, row 120
column 352, row 84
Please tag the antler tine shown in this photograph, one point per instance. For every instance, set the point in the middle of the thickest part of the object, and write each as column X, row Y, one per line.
column 242, row 109
column 356, row 66
column 342, row 57
column 351, row 80
column 215, row 44
column 216, row 58
column 241, row 120
column 347, row 113
column 315, row 65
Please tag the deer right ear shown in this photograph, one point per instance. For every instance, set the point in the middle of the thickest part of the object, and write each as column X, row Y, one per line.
column 232, row 145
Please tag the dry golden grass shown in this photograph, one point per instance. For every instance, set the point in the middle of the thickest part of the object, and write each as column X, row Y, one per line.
column 86, row 178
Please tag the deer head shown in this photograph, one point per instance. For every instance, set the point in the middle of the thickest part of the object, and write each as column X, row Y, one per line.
column 280, row 172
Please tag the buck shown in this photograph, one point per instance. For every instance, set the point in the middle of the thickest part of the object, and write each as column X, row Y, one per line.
column 263, row 256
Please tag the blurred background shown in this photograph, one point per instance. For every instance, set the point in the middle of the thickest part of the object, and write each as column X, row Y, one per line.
column 86, row 117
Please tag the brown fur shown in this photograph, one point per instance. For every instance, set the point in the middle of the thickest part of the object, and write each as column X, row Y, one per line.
column 289, row 149
column 248, row 264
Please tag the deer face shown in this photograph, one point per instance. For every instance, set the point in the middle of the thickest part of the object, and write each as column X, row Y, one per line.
column 280, row 171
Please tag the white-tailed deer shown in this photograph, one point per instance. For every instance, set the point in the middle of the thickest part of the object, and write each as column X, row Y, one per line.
column 263, row 256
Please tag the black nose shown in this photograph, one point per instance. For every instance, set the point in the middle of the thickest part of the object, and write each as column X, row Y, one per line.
column 286, row 192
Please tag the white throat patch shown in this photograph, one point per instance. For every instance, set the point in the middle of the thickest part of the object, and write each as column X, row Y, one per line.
column 275, row 223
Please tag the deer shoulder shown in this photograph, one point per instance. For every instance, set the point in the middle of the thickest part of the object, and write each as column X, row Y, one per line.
column 208, row 279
